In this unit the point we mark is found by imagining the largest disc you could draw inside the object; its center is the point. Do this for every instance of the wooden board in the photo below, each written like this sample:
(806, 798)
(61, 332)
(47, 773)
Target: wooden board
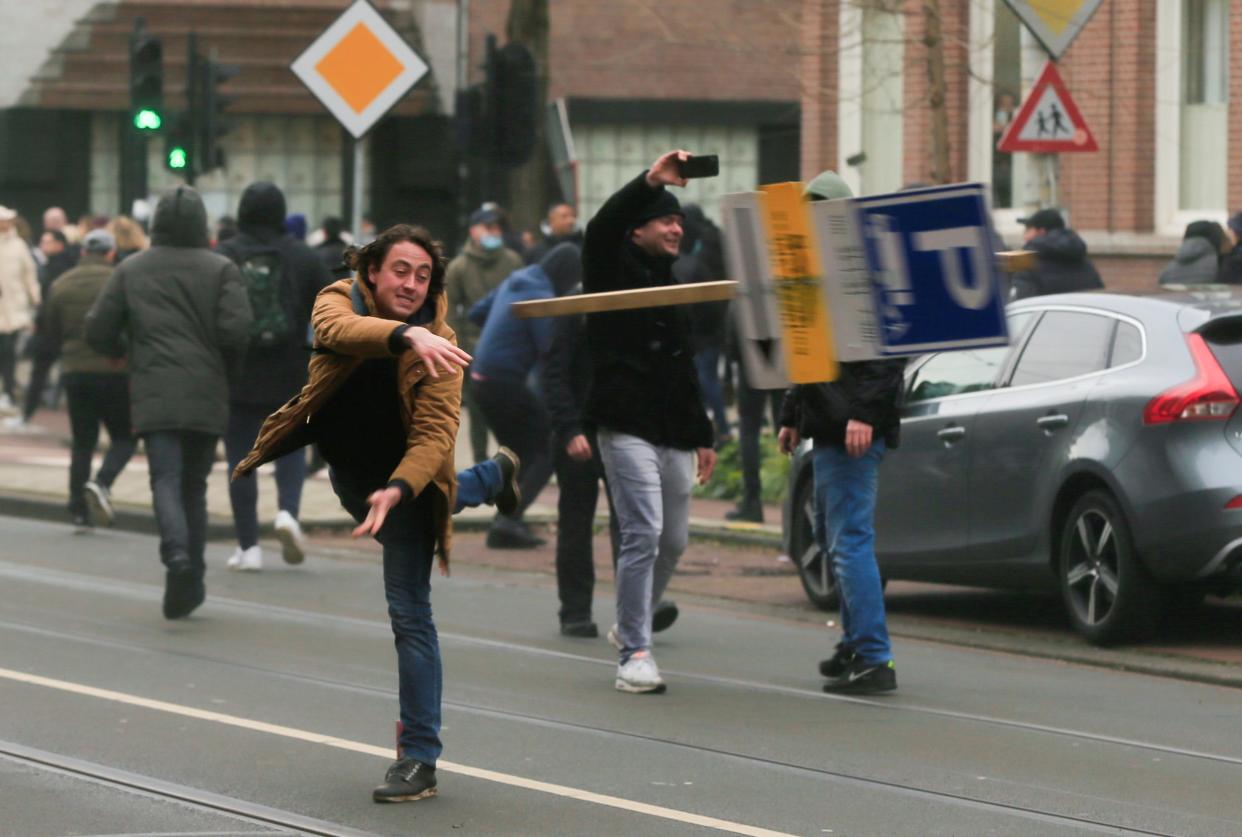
(1011, 261)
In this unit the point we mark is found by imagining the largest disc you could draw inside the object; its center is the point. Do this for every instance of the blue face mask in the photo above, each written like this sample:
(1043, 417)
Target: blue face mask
(491, 242)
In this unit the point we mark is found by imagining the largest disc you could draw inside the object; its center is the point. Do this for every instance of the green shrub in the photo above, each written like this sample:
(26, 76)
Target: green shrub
(726, 481)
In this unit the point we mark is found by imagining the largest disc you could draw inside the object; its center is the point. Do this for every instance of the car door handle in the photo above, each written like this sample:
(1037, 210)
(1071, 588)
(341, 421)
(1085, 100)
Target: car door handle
(1053, 422)
(952, 434)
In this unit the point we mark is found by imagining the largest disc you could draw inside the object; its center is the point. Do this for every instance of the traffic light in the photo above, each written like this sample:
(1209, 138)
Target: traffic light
(179, 148)
(146, 80)
(213, 102)
(513, 83)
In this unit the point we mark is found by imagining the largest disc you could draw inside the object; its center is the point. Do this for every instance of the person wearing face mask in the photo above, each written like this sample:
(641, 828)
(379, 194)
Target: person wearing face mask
(477, 271)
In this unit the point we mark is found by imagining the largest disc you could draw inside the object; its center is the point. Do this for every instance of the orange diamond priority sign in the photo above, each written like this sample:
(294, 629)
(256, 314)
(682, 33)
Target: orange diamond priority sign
(359, 67)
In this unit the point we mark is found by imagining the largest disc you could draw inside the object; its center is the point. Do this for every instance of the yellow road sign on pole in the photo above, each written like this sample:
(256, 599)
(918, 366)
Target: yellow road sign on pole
(810, 352)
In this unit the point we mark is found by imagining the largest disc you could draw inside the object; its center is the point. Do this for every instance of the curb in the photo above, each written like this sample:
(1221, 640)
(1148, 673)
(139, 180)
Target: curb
(129, 518)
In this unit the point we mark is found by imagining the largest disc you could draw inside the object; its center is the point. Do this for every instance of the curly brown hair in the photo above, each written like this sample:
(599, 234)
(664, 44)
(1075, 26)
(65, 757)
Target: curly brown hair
(363, 260)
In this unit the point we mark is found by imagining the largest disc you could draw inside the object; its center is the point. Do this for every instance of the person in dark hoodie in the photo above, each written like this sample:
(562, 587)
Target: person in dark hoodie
(282, 277)
(1231, 262)
(1062, 265)
(853, 421)
(702, 260)
(508, 351)
(1199, 256)
(644, 405)
(181, 314)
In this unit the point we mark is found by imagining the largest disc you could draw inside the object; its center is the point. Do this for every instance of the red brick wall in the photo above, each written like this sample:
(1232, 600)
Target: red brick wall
(1111, 74)
(819, 86)
(731, 50)
(917, 139)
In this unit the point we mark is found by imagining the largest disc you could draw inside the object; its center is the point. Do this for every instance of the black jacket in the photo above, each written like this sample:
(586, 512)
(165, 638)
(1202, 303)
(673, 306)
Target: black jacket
(567, 378)
(271, 376)
(644, 381)
(538, 251)
(1062, 266)
(1231, 267)
(868, 391)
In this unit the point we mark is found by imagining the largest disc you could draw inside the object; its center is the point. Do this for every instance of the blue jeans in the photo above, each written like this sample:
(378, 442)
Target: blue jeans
(245, 421)
(408, 538)
(844, 524)
(478, 484)
(180, 462)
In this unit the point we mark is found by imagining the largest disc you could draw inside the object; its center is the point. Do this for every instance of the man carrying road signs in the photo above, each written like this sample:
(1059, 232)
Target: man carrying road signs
(853, 421)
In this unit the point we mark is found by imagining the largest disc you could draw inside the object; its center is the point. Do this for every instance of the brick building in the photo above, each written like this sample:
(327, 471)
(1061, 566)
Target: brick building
(1155, 80)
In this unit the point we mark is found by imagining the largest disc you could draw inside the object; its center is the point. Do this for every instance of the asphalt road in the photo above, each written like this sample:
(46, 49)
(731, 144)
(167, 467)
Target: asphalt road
(272, 709)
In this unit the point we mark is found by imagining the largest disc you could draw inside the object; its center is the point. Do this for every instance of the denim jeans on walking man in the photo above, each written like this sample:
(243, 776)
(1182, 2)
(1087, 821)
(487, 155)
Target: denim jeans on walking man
(844, 523)
(97, 398)
(650, 487)
(180, 462)
(408, 539)
(244, 423)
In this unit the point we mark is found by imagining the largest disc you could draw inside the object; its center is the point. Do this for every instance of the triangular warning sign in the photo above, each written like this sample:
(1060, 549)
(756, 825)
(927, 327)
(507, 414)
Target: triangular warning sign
(1049, 122)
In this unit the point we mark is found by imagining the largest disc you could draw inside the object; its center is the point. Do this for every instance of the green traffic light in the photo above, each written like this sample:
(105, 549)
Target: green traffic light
(147, 120)
(177, 158)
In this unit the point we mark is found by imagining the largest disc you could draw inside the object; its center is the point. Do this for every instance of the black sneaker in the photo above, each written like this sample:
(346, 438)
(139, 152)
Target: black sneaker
(407, 780)
(664, 616)
(510, 496)
(511, 534)
(746, 512)
(863, 679)
(183, 589)
(585, 629)
(836, 665)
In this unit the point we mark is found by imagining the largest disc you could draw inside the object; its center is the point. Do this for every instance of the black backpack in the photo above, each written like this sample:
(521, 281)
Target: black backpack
(263, 274)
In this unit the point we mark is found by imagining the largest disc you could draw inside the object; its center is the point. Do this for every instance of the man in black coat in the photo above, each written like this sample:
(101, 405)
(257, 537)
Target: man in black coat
(282, 276)
(1062, 265)
(644, 404)
(853, 421)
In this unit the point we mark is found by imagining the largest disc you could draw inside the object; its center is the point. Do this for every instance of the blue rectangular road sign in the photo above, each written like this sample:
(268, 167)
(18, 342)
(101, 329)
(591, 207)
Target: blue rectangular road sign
(936, 284)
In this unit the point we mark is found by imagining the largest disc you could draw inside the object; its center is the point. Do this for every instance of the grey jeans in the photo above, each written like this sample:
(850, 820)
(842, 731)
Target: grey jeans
(650, 488)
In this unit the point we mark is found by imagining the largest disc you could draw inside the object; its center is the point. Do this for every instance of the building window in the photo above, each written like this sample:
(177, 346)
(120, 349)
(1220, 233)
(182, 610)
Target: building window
(871, 95)
(1204, 104)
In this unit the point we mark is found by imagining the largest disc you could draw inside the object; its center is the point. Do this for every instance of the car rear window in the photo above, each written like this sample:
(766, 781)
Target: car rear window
(1224, 338)
(1127, 345)
(1065, 344)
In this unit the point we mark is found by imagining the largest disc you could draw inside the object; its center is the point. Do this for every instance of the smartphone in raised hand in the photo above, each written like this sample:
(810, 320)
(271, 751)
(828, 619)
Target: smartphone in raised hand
(706, 165)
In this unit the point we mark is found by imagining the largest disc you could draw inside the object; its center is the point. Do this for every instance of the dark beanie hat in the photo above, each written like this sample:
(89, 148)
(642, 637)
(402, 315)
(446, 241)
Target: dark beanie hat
(663, 203)
(1209, 230)
(563, 264)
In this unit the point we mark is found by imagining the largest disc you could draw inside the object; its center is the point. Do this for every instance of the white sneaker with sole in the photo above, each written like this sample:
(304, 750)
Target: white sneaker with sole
(292, 541)
(247, 560)
(614, 639)
(640, 675)
(99, 501)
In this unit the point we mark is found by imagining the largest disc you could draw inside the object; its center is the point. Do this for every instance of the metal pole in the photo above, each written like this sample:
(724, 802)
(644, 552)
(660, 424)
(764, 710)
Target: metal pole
(356, 219)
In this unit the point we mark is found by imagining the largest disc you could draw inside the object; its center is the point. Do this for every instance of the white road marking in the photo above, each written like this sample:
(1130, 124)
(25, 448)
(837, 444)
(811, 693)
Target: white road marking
(387, 753)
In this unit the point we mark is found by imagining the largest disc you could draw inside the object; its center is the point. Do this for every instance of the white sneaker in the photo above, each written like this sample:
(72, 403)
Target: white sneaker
(292, 541)
(99, 501)
(6, 403)
(640, 675)
(614, 639)
(17, 424)
(247, 560)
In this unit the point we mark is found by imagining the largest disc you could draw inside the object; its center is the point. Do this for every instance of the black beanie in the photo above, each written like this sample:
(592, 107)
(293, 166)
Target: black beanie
(664, 203)
(563, 264)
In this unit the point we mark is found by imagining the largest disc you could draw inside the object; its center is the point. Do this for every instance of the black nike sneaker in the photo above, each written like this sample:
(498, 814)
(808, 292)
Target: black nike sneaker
(864, 679)
(407, 780)
(838, 664)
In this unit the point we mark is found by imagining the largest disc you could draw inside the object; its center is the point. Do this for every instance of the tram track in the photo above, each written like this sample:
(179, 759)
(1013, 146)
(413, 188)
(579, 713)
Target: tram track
(135, 783)
(963, 800)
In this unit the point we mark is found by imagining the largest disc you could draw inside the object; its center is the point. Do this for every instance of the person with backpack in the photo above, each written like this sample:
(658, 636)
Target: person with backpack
(282, 277)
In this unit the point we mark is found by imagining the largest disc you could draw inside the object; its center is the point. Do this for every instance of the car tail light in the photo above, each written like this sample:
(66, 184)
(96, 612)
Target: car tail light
(1207, 396)
(1235, 503)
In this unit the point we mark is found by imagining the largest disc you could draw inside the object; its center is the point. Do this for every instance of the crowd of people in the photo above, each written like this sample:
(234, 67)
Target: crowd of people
(361, 350)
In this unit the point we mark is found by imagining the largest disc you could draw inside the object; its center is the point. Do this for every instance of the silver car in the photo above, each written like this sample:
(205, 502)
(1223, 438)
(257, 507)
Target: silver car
(1100, 452)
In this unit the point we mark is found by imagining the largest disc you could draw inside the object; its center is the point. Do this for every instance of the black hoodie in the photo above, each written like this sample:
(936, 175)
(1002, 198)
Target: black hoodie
(1062, 267)
(271, 376)
(181, 314)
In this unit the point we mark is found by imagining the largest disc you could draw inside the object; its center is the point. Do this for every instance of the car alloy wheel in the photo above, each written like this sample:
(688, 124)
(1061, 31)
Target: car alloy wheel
(1108, 592)
(814, 568)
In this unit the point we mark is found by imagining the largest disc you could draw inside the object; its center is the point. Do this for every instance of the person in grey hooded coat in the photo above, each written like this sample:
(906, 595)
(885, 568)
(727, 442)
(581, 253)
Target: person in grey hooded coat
(1198, 258)
(181, 315)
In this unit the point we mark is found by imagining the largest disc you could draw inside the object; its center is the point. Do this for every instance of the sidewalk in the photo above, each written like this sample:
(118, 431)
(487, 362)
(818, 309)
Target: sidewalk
(34, 477)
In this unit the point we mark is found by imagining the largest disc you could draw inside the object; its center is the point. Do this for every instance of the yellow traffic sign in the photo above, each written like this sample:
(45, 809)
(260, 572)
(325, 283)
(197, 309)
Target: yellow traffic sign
(1055, 23)
(359, 67)
(810, 352)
